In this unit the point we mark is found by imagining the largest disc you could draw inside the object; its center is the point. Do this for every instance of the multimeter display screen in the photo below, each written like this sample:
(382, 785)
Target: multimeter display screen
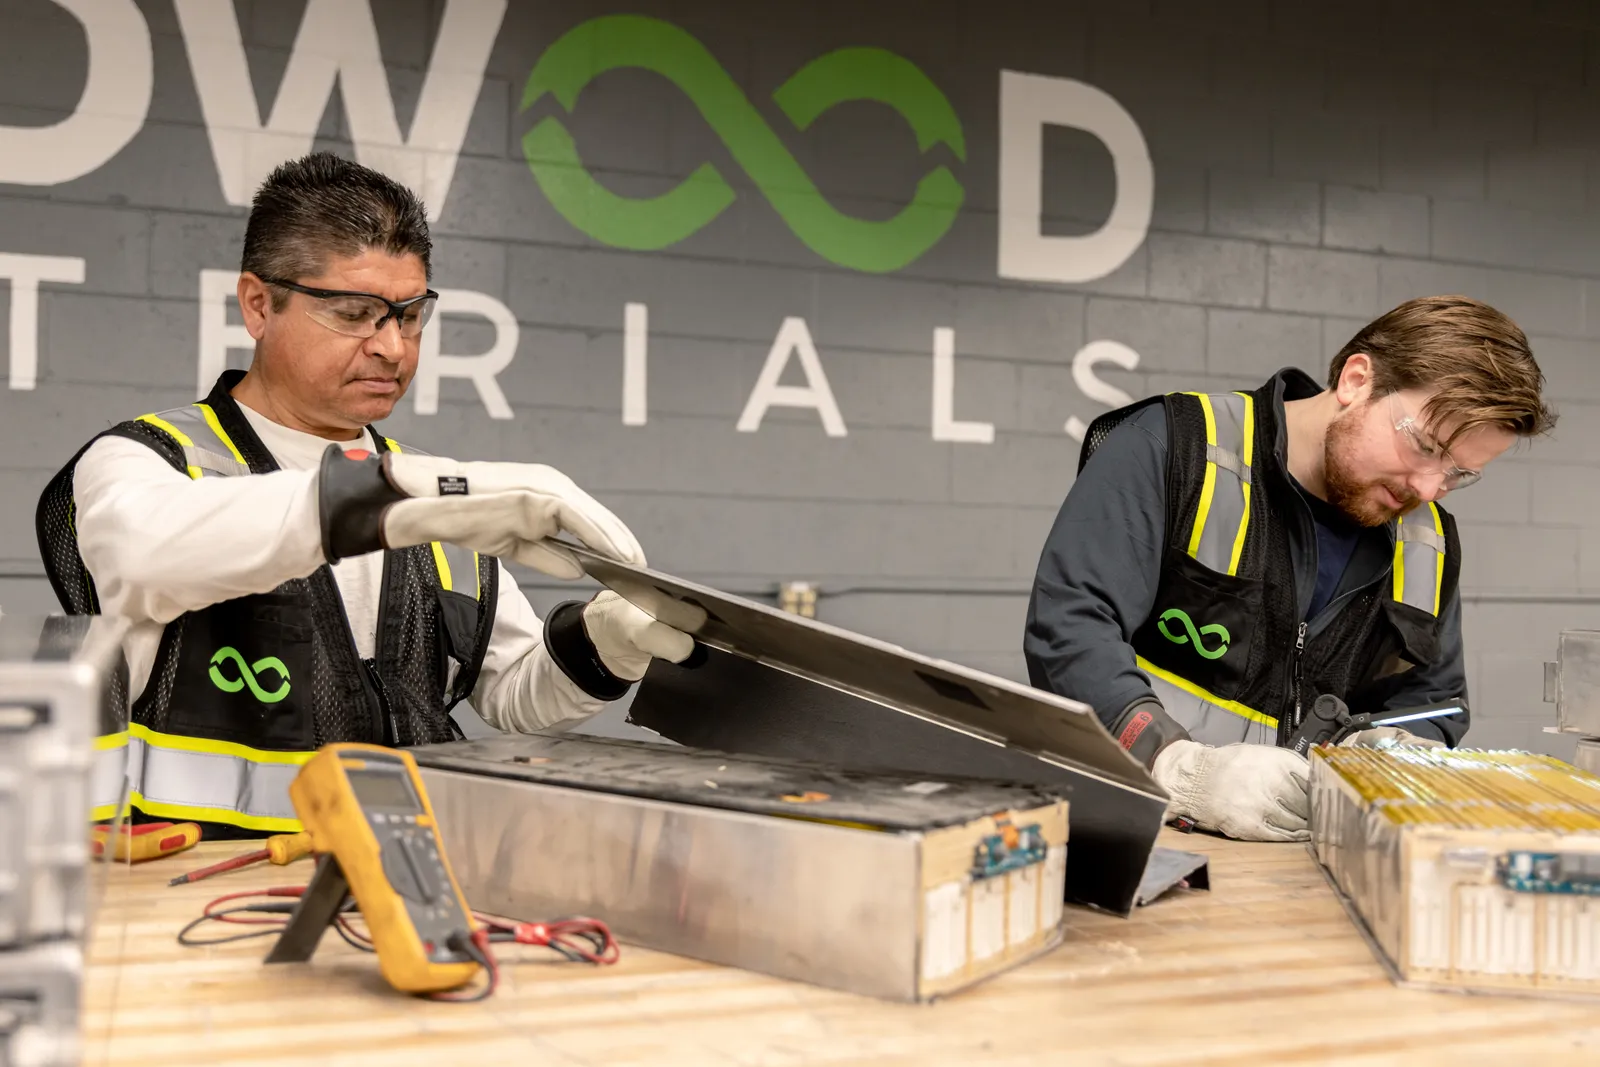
(384, 789)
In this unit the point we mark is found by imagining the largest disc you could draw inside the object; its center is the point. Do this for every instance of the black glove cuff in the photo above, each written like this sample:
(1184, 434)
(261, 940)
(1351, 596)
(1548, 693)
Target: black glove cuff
(351, 496)
(569, 646)
(1144, 729)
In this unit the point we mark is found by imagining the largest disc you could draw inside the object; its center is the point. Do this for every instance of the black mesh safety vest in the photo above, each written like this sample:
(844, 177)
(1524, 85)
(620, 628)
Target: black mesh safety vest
(243, 692)
(1224, 644)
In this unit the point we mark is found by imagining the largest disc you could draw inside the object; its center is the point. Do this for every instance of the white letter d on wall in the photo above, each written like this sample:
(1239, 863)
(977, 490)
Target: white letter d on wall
(1029, 103)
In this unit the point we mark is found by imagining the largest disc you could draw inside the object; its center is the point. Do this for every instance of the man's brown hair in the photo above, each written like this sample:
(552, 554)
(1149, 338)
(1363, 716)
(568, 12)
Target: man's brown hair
(1475, 358)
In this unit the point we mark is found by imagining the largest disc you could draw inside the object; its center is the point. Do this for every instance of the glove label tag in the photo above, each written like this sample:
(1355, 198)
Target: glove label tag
(452, 485)
(1135, 727)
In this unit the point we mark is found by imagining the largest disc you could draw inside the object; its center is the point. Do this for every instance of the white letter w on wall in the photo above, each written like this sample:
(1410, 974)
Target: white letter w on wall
(338, 40)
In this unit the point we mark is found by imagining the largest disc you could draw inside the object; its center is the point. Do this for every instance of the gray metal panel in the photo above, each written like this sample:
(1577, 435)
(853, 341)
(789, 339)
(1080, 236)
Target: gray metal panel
(800, 900)
(1577, 690)
(41, 993)
(1008, 713)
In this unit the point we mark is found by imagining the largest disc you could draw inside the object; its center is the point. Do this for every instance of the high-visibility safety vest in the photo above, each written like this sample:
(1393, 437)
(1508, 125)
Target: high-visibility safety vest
(245, 691)
(1224, 646)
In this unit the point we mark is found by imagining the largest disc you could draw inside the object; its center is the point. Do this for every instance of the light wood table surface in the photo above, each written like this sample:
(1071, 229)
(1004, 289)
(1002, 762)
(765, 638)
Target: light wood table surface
(1265, 968)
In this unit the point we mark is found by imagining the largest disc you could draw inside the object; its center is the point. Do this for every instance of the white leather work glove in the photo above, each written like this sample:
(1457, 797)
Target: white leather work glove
(507, 510)
(626, 637)
(605, 645)
(1389, 737)
(1248, 792)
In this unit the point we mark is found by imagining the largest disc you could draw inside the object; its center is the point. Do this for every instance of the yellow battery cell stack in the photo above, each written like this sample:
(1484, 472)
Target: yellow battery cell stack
(1468, 870)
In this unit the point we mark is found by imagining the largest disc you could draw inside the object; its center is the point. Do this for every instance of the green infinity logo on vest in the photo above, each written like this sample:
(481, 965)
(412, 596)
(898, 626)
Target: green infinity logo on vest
(1190, 636)
(247, 675)
(646, 224)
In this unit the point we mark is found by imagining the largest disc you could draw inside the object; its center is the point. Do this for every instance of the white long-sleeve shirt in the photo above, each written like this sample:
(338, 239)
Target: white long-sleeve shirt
(158, 544)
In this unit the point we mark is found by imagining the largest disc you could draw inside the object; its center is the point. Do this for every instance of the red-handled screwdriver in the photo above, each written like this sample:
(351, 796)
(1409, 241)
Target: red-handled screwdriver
(281, 849)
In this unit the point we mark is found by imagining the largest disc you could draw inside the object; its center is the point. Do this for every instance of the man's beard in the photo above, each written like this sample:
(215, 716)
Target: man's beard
(1347, 490)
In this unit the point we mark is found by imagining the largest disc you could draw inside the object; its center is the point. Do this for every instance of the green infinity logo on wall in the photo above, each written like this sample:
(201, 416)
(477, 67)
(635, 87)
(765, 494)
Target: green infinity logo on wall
(617, 41)
(247, 675)
(1189, 635)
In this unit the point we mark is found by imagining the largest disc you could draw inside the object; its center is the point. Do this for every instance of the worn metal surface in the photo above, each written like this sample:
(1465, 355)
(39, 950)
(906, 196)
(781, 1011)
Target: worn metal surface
(833, 905)
(800, 900)
(759, 785)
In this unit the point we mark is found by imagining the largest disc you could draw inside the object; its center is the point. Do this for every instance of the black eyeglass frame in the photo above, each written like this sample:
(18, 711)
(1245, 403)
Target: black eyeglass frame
(396, 310)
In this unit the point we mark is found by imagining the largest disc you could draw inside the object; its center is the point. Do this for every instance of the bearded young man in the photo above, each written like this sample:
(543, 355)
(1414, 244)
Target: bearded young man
(1223, 560)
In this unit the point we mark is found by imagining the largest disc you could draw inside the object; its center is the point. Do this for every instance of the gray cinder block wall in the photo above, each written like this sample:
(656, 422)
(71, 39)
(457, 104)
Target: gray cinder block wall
(1312, 165)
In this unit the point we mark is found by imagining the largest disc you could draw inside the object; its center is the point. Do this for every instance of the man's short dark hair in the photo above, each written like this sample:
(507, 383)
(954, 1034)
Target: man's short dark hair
(322, 206)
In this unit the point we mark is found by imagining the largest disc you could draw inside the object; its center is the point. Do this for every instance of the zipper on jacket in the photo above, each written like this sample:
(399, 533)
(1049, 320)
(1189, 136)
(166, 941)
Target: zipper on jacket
(386, 707)
(379, 644)
(1299, 651)
(376, 703)
(1329, 612)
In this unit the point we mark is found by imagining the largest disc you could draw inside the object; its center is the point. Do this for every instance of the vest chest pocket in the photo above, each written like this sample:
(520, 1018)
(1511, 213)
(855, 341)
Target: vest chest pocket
(458, 619)
(1403, 639)
(1202, 625)
(241, 670)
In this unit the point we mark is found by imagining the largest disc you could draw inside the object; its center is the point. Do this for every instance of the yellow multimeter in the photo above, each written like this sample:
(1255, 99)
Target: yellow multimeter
(374, 832)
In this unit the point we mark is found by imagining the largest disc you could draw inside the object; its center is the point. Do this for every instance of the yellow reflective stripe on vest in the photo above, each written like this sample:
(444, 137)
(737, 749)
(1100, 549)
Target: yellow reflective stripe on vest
(1244, 481)
(1216, 538)
(177, 435)
(179, 777)
(222, 435)
(1196, 691)
(206, 446)
(1210, 483)
(442, 564)
(1419, 560)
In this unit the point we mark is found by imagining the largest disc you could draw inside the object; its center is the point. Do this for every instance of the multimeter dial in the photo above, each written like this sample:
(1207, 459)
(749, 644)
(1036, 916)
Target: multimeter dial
(410, 855)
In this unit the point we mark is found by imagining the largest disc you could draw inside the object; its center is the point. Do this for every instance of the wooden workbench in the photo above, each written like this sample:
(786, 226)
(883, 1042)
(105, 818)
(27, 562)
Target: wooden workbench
(1263, 969)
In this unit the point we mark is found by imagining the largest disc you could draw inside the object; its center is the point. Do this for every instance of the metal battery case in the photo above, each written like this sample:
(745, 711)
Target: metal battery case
(889, 885)
(41, 992)
(59, 692)
(62, 711)
(1587, 757)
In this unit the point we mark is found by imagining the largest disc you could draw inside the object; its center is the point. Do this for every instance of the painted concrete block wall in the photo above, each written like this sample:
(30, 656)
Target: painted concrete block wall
(1313, 165)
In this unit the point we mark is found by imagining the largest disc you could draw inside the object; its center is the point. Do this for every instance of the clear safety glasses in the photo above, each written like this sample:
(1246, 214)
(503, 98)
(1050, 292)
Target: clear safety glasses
(1421, 453)
(363, 314)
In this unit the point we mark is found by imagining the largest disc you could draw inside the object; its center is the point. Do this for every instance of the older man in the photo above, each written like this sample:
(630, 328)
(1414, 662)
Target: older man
(292, 576)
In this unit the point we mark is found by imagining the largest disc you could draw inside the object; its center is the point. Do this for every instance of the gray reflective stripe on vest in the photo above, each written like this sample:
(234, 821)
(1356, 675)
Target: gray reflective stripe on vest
(1419, 559)
(1216, 538)
(210, 785)
(108, 776)
(206, 449)
(1208, 723)
(458, 568)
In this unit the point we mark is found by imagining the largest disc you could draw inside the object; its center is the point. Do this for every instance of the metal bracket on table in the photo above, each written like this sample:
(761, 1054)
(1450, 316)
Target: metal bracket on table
(1171, 868)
